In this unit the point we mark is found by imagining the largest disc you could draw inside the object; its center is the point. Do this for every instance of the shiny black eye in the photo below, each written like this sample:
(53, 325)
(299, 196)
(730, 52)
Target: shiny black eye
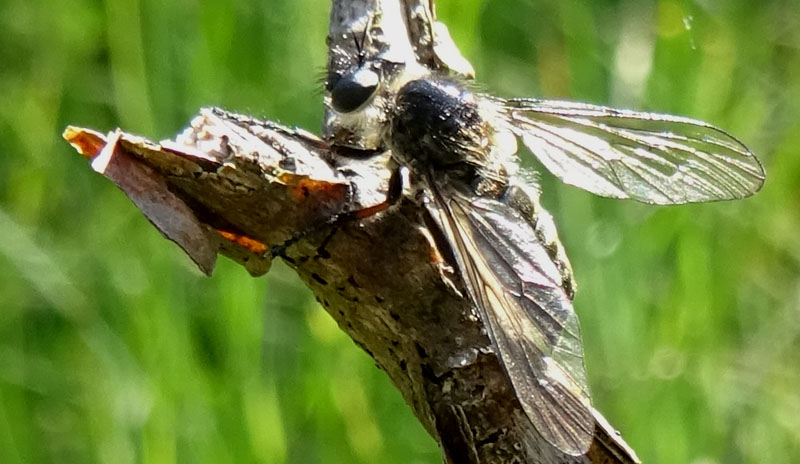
(352, 90)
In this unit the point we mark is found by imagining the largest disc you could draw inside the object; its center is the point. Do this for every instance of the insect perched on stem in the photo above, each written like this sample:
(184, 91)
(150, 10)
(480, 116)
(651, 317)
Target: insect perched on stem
(458, 147)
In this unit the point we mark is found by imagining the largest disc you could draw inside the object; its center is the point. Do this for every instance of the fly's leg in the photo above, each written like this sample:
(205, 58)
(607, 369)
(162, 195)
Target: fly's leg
(396, 184)
(441, 255)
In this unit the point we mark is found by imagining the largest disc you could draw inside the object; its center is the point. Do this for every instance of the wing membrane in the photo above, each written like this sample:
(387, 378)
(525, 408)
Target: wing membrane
(647, 157)
(528, 316)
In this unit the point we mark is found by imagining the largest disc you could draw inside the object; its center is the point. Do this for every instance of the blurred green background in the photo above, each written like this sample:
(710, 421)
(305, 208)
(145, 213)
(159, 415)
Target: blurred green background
(114, 349)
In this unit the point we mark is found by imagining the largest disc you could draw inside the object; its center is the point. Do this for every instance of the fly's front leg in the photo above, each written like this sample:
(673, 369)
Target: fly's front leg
(397, 182)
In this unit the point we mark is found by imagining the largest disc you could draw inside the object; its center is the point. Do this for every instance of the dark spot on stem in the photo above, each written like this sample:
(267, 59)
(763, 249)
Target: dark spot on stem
(319, 279)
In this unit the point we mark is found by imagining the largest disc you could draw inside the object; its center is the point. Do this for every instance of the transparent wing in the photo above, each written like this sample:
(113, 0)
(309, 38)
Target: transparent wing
(528, 316)
(648, 157)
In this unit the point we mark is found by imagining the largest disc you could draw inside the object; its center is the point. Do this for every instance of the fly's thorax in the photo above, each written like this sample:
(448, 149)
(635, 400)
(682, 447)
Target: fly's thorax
(439, 122)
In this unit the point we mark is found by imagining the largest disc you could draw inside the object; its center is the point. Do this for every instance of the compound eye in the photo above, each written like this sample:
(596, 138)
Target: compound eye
(351, 91)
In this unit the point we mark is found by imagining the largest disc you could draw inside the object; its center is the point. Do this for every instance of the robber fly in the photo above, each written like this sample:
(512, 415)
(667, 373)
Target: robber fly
(459, 146)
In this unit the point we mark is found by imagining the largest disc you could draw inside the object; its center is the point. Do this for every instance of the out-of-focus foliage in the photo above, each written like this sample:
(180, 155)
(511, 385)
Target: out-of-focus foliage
(114, 349)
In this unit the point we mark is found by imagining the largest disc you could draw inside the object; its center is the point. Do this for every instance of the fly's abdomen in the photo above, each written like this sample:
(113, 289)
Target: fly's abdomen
(525, 200)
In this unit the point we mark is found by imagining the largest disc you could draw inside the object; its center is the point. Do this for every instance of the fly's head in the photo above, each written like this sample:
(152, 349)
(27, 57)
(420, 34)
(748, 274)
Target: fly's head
(364, 74)
(425, 120)
(428, 119)
(358, 103)
(351, 91)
